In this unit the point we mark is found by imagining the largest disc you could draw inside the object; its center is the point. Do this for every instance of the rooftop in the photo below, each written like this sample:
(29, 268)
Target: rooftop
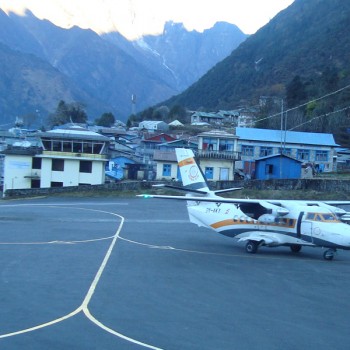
(306, 138)
(77, 134)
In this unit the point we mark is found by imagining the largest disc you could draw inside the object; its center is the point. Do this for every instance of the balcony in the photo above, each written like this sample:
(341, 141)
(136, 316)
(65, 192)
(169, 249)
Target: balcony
(71, 155)
(225, 155)
(34, 175)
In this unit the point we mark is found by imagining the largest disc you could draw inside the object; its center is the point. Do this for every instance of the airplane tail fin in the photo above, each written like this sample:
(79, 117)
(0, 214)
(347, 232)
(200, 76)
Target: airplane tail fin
(191, 174)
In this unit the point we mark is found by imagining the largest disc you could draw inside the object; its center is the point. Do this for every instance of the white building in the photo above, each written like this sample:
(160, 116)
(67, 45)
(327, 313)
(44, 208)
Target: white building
(67, 158)
(154, 125)
(217, 154)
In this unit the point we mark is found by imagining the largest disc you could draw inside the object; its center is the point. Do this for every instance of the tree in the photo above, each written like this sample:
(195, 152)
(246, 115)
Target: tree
(295, 92)
(106, 119)
(178, 112)
(68, 112)
(161, 113)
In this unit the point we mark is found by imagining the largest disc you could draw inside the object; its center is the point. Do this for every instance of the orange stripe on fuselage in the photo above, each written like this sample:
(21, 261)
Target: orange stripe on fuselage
(229, 222)
(223, 223)
(186, 161)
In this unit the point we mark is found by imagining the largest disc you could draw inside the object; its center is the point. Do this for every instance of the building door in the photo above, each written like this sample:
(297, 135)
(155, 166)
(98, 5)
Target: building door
(224, 174)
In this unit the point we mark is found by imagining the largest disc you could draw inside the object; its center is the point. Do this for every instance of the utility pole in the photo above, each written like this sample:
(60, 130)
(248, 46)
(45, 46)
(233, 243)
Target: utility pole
(281, 151)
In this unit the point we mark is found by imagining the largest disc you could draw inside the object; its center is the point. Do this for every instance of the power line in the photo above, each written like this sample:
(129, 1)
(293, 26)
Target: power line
(306, 103)
(320, 116)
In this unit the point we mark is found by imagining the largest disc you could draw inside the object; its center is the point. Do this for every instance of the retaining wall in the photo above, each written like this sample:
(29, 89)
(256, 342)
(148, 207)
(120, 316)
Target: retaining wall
(319, 185)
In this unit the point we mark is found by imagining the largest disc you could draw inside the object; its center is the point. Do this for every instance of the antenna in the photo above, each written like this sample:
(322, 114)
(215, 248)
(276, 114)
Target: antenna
(133, 104)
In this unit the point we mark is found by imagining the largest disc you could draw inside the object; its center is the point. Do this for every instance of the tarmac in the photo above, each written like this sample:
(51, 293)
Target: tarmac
(134, 273)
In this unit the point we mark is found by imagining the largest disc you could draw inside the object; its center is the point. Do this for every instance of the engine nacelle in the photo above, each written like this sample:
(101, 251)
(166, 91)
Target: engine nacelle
(275, 210)
(267, 218)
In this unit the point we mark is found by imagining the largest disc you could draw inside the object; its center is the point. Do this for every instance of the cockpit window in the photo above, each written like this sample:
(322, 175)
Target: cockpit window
(310, 216)
(324, 217)
(318, 217)
(329, 217)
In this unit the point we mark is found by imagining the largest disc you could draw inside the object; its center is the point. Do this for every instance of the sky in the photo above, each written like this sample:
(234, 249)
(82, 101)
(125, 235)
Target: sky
(134, 18)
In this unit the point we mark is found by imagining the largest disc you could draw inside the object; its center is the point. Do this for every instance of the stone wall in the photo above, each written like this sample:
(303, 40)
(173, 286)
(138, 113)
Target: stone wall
(83, 189)
(320, 185)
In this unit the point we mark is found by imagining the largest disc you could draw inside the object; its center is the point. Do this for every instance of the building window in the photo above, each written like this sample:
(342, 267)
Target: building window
(57, 146)
(56, 184)
(321, 156)
(226, 145)
(47, 145)
(269, 169)
(35, 184)
(85, 166)
(57, 164)
(166, 169)
(209, 144)
(67, 146)
(265, 151)
(303, 154)
(77, 147)
(286, 151)
(209, 173)
(247, 150)
(36, 163)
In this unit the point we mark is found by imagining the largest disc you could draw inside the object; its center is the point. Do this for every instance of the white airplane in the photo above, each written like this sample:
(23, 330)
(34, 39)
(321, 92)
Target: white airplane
(259, 222)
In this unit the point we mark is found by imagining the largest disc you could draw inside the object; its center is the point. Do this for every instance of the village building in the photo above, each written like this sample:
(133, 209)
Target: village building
(200, 118)
(278, 166)
(154, 126)
(315, 149)
(149, 144)
(216, 154)
(63, 158)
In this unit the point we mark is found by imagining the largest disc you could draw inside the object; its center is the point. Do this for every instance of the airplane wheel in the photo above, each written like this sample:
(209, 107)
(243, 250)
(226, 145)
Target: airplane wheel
(295, 248)
(251, 247)
(329, 254)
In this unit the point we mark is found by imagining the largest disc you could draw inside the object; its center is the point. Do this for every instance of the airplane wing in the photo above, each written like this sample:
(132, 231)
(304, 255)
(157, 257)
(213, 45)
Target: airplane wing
(202, 199)
(273, 204)
(337, 202)
(267, 204)
(176, 188)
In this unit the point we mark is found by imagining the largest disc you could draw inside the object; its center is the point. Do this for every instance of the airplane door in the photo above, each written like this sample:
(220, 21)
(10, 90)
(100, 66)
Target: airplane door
(304, 228)
(306, 231)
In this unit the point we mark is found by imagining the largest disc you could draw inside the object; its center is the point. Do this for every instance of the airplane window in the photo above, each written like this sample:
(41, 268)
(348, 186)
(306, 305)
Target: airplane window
(310, 216)
(325, 217)
(318, 218)
(329, 217)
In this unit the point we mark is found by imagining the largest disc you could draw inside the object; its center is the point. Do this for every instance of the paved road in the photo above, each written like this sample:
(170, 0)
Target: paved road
(134, 274)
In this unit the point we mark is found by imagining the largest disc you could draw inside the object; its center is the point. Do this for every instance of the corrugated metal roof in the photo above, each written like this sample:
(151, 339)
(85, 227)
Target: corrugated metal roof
(73, 134)
(306, 138)
(278, 155)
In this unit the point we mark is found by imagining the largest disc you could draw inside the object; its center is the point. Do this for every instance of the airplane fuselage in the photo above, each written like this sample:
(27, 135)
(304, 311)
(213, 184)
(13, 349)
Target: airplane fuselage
(303, 225)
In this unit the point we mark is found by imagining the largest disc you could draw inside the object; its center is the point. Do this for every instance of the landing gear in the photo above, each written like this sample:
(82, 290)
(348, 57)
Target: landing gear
(329, 254)
(252, 247)
(295, 248)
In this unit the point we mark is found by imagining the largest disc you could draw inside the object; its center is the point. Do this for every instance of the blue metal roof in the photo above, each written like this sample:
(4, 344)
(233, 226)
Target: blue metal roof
(279, 155)
(268, 135)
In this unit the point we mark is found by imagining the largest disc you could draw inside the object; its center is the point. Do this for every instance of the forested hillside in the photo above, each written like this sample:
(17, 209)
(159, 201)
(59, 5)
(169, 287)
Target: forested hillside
(299, 56)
